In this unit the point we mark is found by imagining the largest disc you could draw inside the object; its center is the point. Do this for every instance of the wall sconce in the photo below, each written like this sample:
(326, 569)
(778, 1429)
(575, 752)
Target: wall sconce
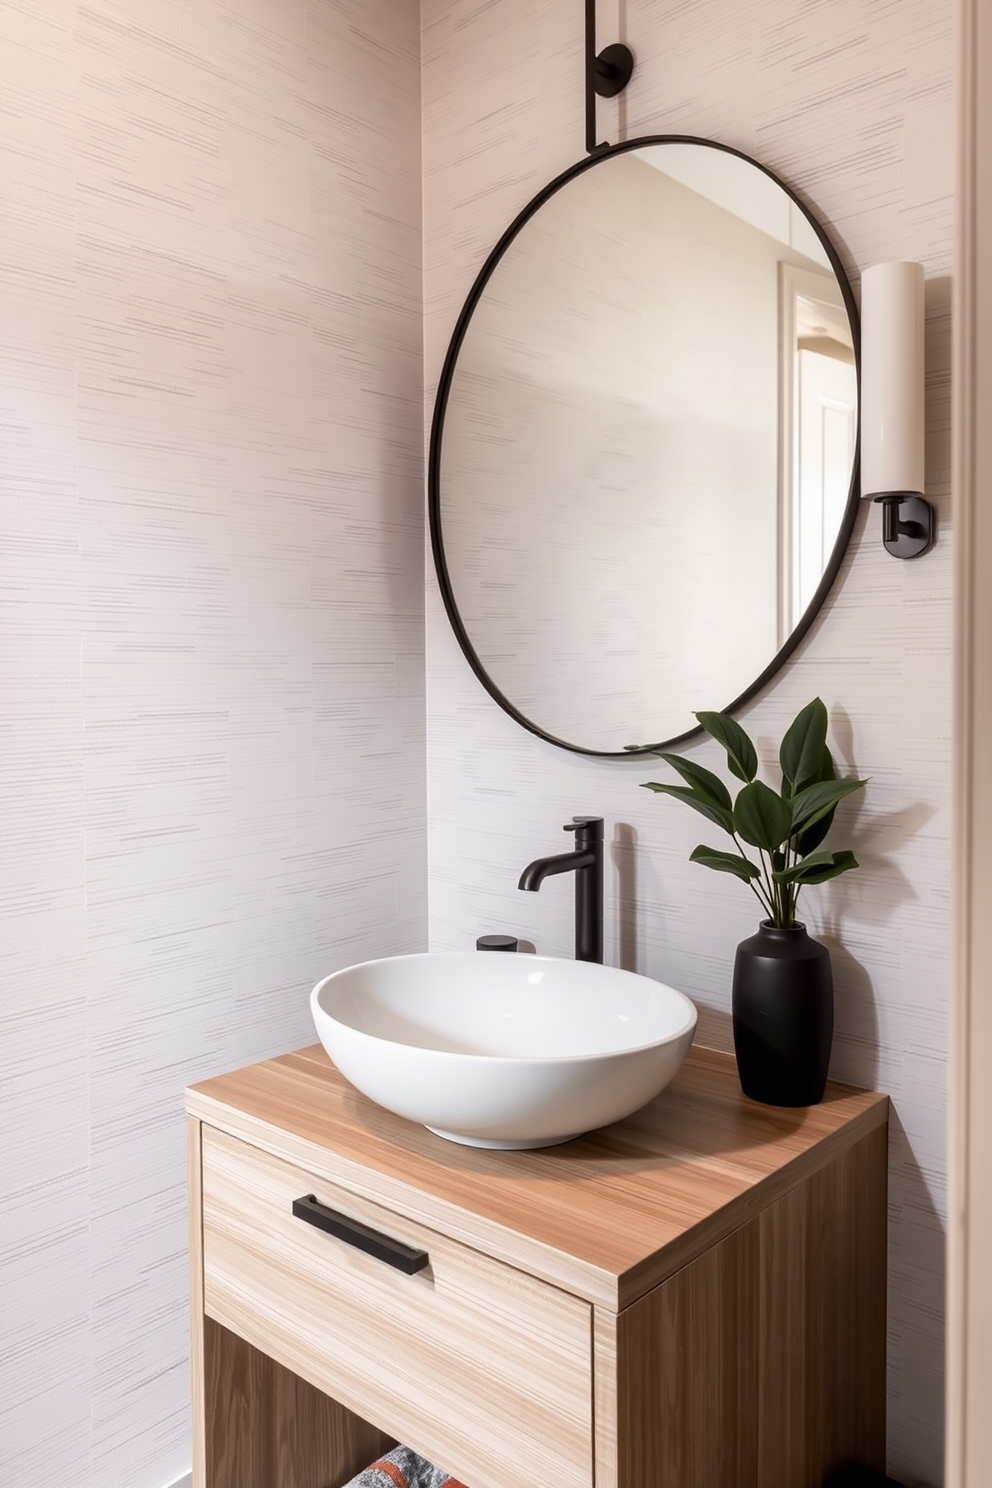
(892, 407)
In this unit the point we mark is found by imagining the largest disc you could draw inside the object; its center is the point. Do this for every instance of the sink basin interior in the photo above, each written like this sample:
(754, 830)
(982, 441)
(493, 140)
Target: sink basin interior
(536, 1007)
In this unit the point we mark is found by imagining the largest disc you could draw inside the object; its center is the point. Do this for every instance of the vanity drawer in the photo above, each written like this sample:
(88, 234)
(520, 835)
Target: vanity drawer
(478, 1366)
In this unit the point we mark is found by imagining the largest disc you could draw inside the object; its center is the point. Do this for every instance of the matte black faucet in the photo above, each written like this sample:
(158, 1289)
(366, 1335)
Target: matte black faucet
(586, 862)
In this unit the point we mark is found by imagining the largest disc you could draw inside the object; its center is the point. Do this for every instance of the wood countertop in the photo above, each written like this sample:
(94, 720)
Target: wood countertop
(607, 1216)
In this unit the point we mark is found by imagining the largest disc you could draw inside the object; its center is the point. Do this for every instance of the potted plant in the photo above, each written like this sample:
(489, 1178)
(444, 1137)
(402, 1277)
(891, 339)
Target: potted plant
(783, 987)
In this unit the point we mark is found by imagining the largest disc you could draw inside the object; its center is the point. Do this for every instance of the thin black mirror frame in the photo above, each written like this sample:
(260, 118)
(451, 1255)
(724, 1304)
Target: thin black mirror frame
(437, 429)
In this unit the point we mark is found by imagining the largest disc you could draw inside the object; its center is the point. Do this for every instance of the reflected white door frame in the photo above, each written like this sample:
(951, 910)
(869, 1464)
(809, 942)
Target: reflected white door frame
(818, 421)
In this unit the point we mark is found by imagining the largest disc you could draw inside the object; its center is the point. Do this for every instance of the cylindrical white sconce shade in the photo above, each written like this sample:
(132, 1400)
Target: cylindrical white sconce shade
(892, 407)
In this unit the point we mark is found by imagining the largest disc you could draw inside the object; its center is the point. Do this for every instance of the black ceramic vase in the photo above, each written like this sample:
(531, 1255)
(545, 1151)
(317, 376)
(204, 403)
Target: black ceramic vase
(783, 1010)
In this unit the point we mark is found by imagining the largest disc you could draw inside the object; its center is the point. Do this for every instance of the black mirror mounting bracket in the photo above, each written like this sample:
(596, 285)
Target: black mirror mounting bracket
(607, 73)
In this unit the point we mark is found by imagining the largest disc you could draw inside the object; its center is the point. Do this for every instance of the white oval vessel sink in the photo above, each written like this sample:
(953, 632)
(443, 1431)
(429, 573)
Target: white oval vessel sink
(502, 1050)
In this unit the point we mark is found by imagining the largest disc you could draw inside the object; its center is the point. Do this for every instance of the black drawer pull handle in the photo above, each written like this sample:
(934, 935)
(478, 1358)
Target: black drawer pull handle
(373, 1242)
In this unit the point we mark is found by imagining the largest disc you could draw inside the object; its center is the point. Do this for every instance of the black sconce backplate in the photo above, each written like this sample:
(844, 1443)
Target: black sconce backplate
(908, 524)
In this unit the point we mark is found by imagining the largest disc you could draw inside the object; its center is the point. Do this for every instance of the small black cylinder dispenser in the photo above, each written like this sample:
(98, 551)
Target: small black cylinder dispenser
(496, 943)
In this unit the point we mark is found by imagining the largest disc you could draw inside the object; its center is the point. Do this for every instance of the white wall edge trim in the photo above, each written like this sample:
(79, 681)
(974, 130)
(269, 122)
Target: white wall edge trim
(186, 1481)
(969, 1295)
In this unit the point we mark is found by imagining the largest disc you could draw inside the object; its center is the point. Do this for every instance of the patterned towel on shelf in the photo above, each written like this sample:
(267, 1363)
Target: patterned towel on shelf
(402, 1468)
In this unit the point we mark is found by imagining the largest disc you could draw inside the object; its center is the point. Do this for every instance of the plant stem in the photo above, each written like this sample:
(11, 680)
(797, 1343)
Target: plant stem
(791, 890)
(762, 899)
(764, 895)
(772, 886)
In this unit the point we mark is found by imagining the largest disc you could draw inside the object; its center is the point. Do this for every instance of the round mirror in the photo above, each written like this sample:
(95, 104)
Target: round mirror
(644, 451)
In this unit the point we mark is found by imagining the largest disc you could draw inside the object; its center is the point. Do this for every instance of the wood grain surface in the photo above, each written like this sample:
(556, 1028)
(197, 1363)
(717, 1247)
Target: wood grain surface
(197, 1347)
(761, 1364)
(755, 1360)
(267, 1428)
(686, 1380)
(822, 1322)
(606, 1217)
(477, 1366)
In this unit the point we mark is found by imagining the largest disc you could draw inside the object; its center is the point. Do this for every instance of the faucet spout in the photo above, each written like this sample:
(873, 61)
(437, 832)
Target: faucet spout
(586, 862)
(535, 873)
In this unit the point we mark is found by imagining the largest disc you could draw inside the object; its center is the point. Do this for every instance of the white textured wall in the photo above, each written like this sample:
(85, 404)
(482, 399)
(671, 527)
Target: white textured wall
(211, 671)
(851, 104)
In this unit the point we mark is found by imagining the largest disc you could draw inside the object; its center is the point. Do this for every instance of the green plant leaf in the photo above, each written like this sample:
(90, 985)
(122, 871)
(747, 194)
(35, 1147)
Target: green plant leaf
(817, 868)
(742, 758)
(724, 862)
(761, 817)
(801, 754)
(808, 864)
(703, 781)
(809, 840)
(817, 800)
(721, 815)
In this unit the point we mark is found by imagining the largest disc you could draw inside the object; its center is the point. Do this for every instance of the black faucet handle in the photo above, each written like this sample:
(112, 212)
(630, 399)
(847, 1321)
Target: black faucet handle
(588, 827)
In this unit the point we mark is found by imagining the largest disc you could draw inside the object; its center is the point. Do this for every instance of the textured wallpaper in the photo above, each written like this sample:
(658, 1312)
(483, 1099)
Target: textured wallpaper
(851, 104)
(211, 611)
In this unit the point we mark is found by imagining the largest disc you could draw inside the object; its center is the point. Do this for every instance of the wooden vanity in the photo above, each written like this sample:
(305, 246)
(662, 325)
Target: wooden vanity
(691, 1298)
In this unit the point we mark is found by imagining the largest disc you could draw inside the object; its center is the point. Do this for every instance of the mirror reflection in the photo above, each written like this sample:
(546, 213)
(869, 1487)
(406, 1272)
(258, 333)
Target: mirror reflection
(645, 461)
